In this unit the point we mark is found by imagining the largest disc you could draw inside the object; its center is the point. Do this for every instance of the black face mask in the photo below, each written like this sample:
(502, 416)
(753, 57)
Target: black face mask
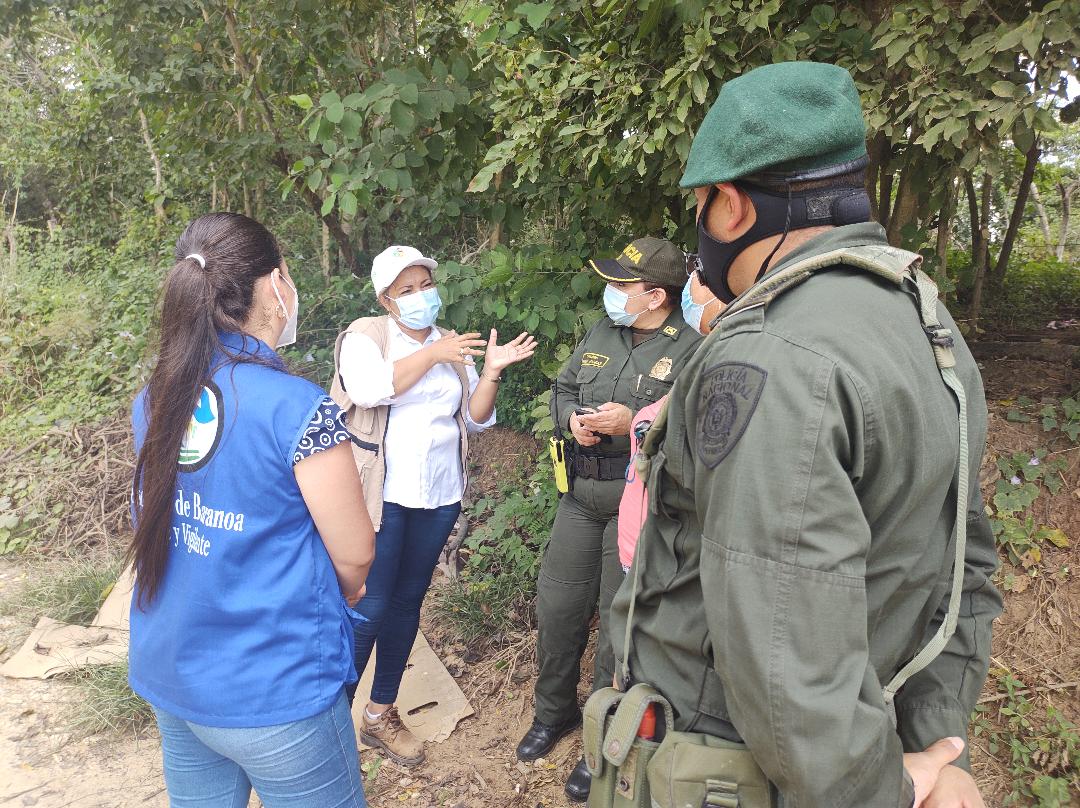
(777, 212)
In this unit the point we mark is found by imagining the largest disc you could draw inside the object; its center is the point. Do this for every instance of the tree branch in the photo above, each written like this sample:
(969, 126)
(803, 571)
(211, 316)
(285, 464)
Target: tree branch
(159, 204)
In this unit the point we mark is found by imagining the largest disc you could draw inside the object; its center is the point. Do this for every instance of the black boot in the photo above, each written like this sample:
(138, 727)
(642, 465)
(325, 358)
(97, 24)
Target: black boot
(541, 738)
(579, 782)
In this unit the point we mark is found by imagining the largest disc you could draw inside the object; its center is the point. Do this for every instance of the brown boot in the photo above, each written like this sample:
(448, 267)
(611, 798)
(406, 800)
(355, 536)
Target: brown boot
(392, 737)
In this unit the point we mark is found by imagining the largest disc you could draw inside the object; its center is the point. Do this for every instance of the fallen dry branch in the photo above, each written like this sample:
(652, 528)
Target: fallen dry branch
(78, 483)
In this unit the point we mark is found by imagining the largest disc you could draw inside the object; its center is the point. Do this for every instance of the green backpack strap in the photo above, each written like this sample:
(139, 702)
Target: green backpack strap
(902, 268)
(623, 729)
(887, 262)
(942, 342)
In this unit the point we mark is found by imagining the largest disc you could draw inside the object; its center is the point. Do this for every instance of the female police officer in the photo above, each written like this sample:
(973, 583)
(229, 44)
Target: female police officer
(627, 360)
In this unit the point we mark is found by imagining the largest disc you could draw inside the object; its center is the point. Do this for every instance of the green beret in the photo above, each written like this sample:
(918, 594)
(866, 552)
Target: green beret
(789, 117)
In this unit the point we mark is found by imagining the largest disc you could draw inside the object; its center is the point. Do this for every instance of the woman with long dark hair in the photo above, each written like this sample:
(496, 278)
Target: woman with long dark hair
(251, 539)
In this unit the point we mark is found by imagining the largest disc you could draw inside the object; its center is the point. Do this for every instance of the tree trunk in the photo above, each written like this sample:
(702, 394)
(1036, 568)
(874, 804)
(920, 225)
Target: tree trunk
(9, 231)
(944, 229)
(973, 216)
(1031, 160)
(885, 196)
(1044, 220)
(878, 152)
(159, 183)
(257, 199)
(324, 256)
(496, 231)
(904, 209)
(983, 263)
(1066, 192)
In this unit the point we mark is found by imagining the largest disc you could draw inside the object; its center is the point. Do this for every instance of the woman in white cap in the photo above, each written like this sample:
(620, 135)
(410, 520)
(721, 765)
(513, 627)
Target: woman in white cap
(412, 396)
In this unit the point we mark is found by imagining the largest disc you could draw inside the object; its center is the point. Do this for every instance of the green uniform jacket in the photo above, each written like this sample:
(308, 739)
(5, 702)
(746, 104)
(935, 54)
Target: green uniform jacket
(606, 367)
(798, 547)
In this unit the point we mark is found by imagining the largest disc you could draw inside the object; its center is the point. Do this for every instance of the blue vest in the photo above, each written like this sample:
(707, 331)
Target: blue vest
(249, 627)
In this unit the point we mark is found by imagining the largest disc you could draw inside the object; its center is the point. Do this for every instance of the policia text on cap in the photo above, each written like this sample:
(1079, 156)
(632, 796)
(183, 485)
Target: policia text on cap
(810, 602)
(628, 360)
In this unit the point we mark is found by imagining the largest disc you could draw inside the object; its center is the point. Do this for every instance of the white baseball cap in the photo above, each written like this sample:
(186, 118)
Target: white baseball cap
(390, 262)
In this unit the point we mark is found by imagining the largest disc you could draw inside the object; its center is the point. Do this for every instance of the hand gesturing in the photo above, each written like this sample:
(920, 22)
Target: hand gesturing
(455, 347)
(497, 357)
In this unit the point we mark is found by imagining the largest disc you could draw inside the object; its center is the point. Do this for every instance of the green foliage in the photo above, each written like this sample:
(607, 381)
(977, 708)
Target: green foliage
(606, 97)
(108, 703)
(495, 589)
(1066, 420)
(371, 767)
(1034, 293)
(515, 529)
(1023, 477)
(13, 534)
(485, 609)
(1041, 747)
(75, 320)
(70, 590)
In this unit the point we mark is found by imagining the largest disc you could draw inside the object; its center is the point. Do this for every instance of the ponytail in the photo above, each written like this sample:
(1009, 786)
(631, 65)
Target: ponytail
(199, 299)
(188, 340)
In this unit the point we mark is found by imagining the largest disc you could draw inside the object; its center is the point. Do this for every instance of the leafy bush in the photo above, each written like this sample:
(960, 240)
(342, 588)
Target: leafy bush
(1034, 293)
(75, 320)
(502, 558)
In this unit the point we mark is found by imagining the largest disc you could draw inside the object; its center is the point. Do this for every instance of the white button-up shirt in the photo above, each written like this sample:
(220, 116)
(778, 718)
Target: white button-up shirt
(422, 447)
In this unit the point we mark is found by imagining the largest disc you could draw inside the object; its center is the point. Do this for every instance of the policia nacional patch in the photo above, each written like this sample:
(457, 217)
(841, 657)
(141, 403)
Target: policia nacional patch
(727, 398)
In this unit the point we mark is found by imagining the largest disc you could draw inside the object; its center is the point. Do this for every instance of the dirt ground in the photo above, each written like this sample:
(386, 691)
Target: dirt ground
(44, 762)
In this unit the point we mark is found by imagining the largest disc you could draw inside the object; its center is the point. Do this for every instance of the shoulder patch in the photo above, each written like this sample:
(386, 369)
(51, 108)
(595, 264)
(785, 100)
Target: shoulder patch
(727, 398)
(594, 360)
(203, 434)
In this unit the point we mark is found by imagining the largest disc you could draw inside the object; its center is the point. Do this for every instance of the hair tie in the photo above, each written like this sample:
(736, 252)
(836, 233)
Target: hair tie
(197, 257)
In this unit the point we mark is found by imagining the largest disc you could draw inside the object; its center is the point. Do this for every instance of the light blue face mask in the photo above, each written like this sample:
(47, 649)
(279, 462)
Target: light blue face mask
(615, 301)
(693, 312)
(418, 310)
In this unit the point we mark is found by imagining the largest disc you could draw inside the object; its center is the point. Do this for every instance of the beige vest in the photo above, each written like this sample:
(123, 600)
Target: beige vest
(367, 425)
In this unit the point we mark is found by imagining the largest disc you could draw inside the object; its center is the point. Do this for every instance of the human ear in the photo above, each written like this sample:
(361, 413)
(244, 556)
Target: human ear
(385, 302)
(731, 213)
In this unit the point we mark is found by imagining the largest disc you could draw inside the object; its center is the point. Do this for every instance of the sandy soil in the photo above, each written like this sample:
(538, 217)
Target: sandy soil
(44, 761)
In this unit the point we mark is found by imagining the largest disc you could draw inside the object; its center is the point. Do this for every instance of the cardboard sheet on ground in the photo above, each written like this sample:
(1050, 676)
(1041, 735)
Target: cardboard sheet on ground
(54, 648)
(430, 702)
(115, 612)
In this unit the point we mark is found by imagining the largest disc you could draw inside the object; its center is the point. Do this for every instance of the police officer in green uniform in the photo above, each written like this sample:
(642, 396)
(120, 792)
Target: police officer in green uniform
(628, 360)
(805, 492)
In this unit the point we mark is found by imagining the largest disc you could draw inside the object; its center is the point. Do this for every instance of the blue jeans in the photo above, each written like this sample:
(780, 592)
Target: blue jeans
(407, 548)
(297, 765)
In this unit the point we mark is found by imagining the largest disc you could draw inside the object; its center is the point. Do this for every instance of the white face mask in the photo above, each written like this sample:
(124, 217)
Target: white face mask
(288, 336)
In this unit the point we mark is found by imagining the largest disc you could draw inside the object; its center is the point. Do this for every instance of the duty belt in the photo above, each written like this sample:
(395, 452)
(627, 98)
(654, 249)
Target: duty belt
(596, 467)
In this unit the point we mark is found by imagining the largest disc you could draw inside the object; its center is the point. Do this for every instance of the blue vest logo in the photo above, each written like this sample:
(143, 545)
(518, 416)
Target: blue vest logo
(204, 432)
